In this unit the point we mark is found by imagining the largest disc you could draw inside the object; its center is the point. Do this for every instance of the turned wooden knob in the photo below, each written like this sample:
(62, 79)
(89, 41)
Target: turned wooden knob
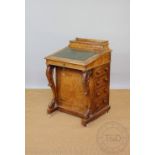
(105, 101)
(98, 82)
(98, 93)
(105, 90)
(105, 78)
(98, 72)
(106, 69)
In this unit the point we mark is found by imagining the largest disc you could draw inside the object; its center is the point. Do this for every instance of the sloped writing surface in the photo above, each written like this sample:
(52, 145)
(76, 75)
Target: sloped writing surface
(74, 54)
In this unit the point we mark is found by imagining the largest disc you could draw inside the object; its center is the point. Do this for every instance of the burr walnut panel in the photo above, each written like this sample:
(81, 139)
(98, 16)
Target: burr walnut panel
(70, 90)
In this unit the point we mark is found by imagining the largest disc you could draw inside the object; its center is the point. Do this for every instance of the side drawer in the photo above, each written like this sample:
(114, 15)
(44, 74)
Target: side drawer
(101, 92)
(100, 103)
(101, 70)
(101, 81)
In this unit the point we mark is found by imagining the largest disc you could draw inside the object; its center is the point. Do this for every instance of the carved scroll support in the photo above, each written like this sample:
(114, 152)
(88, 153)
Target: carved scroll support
(86, 80)
(86, 76)
(49, 73)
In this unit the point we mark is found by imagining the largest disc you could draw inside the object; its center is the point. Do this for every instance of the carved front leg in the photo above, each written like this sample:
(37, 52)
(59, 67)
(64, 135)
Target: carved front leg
(49, 74)
(86, 76)
(86, 80)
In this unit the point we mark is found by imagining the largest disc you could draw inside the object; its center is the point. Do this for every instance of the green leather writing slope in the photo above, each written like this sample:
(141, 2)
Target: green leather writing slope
(75, 54)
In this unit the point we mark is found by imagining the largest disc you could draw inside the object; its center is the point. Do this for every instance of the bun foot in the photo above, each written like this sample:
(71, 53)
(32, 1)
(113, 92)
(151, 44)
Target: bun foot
(51, 108)
(108, 109)
(84, 122)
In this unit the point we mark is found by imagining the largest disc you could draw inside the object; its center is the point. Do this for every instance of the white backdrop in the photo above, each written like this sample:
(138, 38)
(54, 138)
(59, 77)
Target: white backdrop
(50, 24)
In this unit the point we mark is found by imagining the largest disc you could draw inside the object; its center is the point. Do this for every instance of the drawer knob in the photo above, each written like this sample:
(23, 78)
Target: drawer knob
(105, 78)
(105, 90)
(98, 72)
(105, 101)
(106, 69)
(98, 94)
(98, 82)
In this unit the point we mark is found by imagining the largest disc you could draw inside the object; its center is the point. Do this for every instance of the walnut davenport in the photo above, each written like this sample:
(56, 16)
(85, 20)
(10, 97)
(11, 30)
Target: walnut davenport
(79, 77)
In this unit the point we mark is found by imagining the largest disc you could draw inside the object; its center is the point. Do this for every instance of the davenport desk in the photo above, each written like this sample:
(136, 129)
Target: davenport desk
(82, 77)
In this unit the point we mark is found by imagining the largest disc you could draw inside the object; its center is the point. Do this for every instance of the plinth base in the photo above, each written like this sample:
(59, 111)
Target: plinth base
(85, 120)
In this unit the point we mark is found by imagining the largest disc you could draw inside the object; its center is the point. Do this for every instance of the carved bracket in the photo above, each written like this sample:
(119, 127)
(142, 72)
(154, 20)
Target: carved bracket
(89, 111)
(49, 74)
(86, 76)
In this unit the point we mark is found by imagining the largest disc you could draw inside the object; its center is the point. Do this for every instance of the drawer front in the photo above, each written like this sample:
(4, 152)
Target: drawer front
(102, 70)
(98, 72)
(101, 82)
(101, 92)
(100, 103)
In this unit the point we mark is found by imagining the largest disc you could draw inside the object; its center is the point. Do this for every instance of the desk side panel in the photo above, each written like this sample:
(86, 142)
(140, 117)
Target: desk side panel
(70, 90)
